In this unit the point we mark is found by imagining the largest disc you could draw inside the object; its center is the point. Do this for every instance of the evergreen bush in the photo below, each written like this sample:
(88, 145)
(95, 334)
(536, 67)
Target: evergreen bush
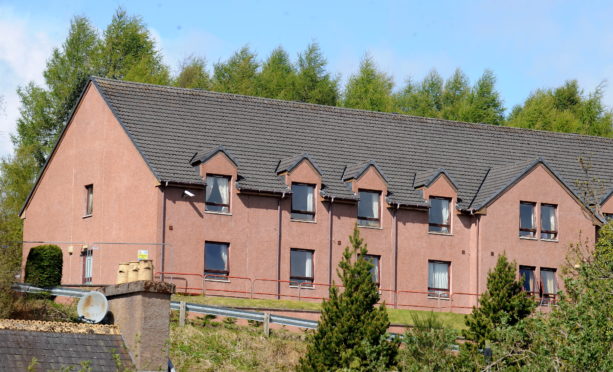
(503, 304)
(44, 266)
(352, 331)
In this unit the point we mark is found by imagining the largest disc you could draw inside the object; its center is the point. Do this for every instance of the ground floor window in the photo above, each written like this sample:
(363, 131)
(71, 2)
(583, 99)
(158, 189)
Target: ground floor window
(374, 270)
(301, 267)
(438, 279)
(88, 265)
(216, 260)
(549, 286)
(526, 274)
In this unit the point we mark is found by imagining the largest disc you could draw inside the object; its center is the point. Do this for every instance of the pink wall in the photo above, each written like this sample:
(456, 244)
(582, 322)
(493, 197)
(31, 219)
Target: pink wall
(499, 227)
(94, 150)
(129, 205)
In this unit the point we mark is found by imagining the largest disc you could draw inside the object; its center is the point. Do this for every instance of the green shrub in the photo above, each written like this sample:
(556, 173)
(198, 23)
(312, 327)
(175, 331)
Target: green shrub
(352, 331)
(44, 266)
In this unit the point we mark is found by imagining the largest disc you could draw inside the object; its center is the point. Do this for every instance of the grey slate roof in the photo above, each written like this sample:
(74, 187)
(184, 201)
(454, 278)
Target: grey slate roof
(287, 164)
(425, 178)
(55, 351)
(356, 170)
(169, 125)
(204, 155)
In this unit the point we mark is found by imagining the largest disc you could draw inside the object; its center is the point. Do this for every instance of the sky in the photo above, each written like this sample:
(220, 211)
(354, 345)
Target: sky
(527, 44)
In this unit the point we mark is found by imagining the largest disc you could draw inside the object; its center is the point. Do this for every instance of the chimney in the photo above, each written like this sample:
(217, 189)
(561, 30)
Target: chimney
(141, 309)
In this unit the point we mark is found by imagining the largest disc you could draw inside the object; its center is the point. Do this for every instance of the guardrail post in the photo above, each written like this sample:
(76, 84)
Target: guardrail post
(267, 324)
(182, 313)
(204, 285)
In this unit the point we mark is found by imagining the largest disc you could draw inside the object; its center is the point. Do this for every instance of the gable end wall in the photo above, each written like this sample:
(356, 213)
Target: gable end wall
(94, 149)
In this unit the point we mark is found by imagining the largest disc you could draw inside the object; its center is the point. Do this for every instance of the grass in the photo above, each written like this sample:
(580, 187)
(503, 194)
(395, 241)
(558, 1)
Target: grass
(397, 316)
(202, 345)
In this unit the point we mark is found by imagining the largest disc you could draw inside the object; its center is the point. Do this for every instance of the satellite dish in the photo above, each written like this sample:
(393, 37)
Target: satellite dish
(92, 307)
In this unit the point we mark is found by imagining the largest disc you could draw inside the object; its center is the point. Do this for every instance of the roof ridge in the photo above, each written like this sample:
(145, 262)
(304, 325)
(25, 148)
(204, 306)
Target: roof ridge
(349, 110)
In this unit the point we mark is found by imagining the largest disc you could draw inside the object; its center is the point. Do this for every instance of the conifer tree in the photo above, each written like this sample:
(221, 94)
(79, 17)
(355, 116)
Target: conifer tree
(503, 304)
(238, 74)
(193, 74)
(455, 96)
(485, 103)
(422, 98)
(69, 68)
(278, 77)
(127, 51)
(352, 332)
(313, 83)
(369, 89)
(565, 109)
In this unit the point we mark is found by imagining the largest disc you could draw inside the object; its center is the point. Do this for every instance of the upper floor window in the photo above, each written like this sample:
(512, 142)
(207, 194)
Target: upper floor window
(301, 267)
(438, 279)
(528, 279)
(527, 220)
(374, 270)
(549, 286)
(438, 216)
(549, 225)
(89, 200)
(217, 194)
(303, 202)
(216, 260)
(369, 208)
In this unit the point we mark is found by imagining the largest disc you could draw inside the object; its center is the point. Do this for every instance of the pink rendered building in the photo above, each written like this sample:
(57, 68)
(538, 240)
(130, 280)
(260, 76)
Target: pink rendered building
(246, 196)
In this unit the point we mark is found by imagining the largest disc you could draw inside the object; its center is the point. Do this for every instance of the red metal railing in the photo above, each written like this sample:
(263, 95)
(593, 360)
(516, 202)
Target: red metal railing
(225, 285)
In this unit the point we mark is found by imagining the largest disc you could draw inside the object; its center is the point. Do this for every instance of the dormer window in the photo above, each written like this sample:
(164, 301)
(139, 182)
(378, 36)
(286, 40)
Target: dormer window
(303, 202)
(217, 194)
(369, 208)
(438, 217)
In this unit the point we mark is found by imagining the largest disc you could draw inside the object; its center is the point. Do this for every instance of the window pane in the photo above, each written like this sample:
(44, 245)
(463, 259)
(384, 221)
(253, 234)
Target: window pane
(301, 263)
(368, 205)
(439, 215)
(216, 257)
(303, 201)
(527, 273)
(548, 221)
(526, 219)
(374, 271)
(548, 281)
(217, 193)
(89, 206)
(438, 275)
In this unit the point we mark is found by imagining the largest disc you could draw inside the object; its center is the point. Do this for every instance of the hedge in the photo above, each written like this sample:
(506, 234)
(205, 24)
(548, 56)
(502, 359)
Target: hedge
(44, 266)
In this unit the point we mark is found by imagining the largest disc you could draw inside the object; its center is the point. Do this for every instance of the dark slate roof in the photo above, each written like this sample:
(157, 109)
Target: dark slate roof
(287, 164)
(425, 178)
(59, 351)
(499, 179)
(355, 171)
(206, 154)
(169, 125)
